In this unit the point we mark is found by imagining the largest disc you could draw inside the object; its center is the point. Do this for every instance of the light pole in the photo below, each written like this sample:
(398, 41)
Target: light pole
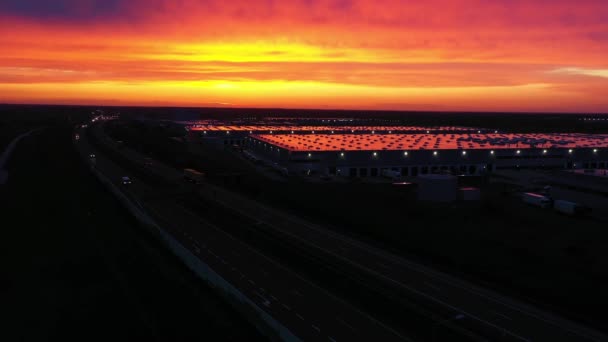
(434, 328)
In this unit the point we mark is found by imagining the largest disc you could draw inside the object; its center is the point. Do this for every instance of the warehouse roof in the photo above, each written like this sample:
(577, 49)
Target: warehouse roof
(378, 142)
(316, 128)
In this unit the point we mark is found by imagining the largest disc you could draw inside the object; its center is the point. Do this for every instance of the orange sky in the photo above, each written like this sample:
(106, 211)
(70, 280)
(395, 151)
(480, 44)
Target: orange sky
(506, 55)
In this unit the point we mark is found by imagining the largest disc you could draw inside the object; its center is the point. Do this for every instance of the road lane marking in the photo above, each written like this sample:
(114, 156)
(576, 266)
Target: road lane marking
(501, 315)
(434, 287)
(316, 328)
(287, 307)
(346, 324)
(300, 316)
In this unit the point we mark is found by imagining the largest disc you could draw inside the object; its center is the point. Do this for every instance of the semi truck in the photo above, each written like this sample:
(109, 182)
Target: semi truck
(569, 208)
(193, 176)
(536, 200)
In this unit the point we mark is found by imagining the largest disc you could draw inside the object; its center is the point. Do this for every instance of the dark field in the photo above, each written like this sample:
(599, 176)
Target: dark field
(77, 267)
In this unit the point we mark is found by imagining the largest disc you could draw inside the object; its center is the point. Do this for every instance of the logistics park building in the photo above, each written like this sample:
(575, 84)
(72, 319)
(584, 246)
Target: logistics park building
(409, 151)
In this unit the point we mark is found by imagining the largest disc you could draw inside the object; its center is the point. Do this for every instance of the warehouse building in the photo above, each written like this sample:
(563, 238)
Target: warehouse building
(370, 155)
(235, 134)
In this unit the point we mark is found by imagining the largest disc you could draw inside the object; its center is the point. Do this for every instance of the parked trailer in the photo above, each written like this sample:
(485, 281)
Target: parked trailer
(193, 176)
(536, 200)
(569, 208)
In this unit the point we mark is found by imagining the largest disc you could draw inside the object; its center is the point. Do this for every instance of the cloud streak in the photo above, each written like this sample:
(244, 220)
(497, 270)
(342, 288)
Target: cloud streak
(360, 52)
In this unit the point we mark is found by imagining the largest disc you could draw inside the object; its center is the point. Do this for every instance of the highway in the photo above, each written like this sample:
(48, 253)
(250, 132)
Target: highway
(308, 311)
(469, 306)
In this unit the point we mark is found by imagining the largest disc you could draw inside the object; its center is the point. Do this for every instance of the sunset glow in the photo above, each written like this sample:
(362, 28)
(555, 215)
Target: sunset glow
(432, 55)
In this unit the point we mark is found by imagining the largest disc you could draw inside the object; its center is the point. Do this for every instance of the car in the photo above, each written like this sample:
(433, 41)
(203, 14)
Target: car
(92, 156)
(125, 180)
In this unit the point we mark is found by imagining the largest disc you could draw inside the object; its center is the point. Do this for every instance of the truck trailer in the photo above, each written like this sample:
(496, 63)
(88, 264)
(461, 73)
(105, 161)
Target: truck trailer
(569, 208)
(536, 200)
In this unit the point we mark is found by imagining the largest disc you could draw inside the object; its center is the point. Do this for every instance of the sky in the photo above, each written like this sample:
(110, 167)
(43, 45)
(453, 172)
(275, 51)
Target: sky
(439, 55)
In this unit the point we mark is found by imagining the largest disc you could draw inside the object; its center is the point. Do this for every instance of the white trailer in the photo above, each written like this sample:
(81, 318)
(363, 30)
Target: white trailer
(536, 200)
(569, 208)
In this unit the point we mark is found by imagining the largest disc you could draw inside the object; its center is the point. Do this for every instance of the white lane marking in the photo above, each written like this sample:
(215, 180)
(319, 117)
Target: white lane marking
(501, 315)
(434, 287)
(251, 282)
(316, 328)
(296, 292)
(287, 307)
(346, 324)
(300, 316)
(274, 298)
(331, 339)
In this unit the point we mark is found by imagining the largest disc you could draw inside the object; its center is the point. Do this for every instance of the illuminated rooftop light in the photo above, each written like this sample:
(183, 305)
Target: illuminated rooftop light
(435, 153)
(405, 153)
(595, 150)
(310, 155)
(375, 154)
(544, 151)
(518, 152)
(464, 153)
(341, 154)
(570, 151)
(492, 152)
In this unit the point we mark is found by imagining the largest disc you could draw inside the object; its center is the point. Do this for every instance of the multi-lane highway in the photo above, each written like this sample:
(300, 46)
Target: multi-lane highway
(308, 311)
(297, 303)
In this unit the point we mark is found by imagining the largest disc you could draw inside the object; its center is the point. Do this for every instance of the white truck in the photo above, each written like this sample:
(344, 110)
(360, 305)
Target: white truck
(193, 176)
(536, 200)
(569, 208)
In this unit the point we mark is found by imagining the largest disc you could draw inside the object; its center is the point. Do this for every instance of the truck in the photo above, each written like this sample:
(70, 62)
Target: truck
(569, 208)
(392, 174)
(536, 200)
(193, 176)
